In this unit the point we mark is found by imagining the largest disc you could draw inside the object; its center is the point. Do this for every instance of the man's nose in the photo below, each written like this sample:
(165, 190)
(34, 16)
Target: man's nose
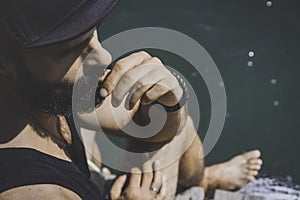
(97, 60)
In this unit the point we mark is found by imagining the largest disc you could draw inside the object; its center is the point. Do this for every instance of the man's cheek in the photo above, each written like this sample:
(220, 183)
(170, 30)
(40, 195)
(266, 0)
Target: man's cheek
(74, 70)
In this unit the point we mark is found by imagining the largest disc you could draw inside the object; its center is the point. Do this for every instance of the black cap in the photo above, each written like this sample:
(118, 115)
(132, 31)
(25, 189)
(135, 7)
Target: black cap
(35, 23)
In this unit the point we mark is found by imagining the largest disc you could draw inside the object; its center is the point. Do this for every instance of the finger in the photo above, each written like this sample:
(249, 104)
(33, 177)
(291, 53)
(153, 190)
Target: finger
(132, 76)
(143, 85)
(167, 92)
(163, 190)
(155, 92)
(157, 177)
(136, 94)
(116, 190)
(147, 175)
(121, 67)
(153, 60)
(135, 178)
(129, 79)
(172, 97)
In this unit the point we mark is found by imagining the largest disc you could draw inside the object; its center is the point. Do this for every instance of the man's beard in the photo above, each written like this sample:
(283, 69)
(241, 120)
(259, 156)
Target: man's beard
(57, 98)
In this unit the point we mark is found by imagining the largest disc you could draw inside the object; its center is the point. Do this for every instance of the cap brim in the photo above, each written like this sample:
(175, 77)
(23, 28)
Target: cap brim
(80, 22)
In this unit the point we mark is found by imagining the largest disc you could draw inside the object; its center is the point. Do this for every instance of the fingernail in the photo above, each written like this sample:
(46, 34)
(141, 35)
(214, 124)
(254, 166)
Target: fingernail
(103, 92)
(114, 102)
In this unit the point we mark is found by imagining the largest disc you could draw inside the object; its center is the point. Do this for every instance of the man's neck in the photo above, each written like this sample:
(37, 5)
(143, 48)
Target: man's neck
(20, 128)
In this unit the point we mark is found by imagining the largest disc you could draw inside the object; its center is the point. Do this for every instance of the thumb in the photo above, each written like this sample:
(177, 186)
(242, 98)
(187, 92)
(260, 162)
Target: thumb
(116, 190)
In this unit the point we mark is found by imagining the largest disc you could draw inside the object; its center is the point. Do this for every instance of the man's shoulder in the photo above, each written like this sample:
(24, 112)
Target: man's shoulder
(41, 191)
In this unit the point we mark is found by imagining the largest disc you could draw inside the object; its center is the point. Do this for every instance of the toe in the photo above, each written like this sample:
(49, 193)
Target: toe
(250, 178)
(252, 154)
(254, 167)
(255, 162)
(252, 173)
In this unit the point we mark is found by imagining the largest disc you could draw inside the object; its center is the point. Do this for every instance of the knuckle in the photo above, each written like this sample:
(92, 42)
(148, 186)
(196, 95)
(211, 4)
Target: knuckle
(156, 60)
(131, 194)
(126, 79)
(120, 65)
(169, 84)
(142, 83)
(149, 95)
(144, 54)
(178, 92)
(147, 165)
(162, 87)
(138, 85)
(135, 170)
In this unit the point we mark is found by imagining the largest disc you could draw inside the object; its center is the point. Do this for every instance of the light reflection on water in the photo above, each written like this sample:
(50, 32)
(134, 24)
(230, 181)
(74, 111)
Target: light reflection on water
(250, 63)
(269, 3)
(251, 54)
(276, 103)
(274, 81)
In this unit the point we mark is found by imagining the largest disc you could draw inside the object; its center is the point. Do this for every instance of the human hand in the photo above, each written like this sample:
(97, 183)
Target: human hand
(144, 78)
(136, 81)
(149, 185)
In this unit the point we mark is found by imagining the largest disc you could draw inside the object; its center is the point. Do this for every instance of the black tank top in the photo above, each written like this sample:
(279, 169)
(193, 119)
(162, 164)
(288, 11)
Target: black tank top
(24, 166)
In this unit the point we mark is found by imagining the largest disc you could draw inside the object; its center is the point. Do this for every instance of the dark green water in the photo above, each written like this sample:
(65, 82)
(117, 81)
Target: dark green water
(263, 100)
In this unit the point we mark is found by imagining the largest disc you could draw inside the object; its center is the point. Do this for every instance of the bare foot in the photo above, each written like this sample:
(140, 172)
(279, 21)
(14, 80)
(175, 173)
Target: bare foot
(233, 174)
